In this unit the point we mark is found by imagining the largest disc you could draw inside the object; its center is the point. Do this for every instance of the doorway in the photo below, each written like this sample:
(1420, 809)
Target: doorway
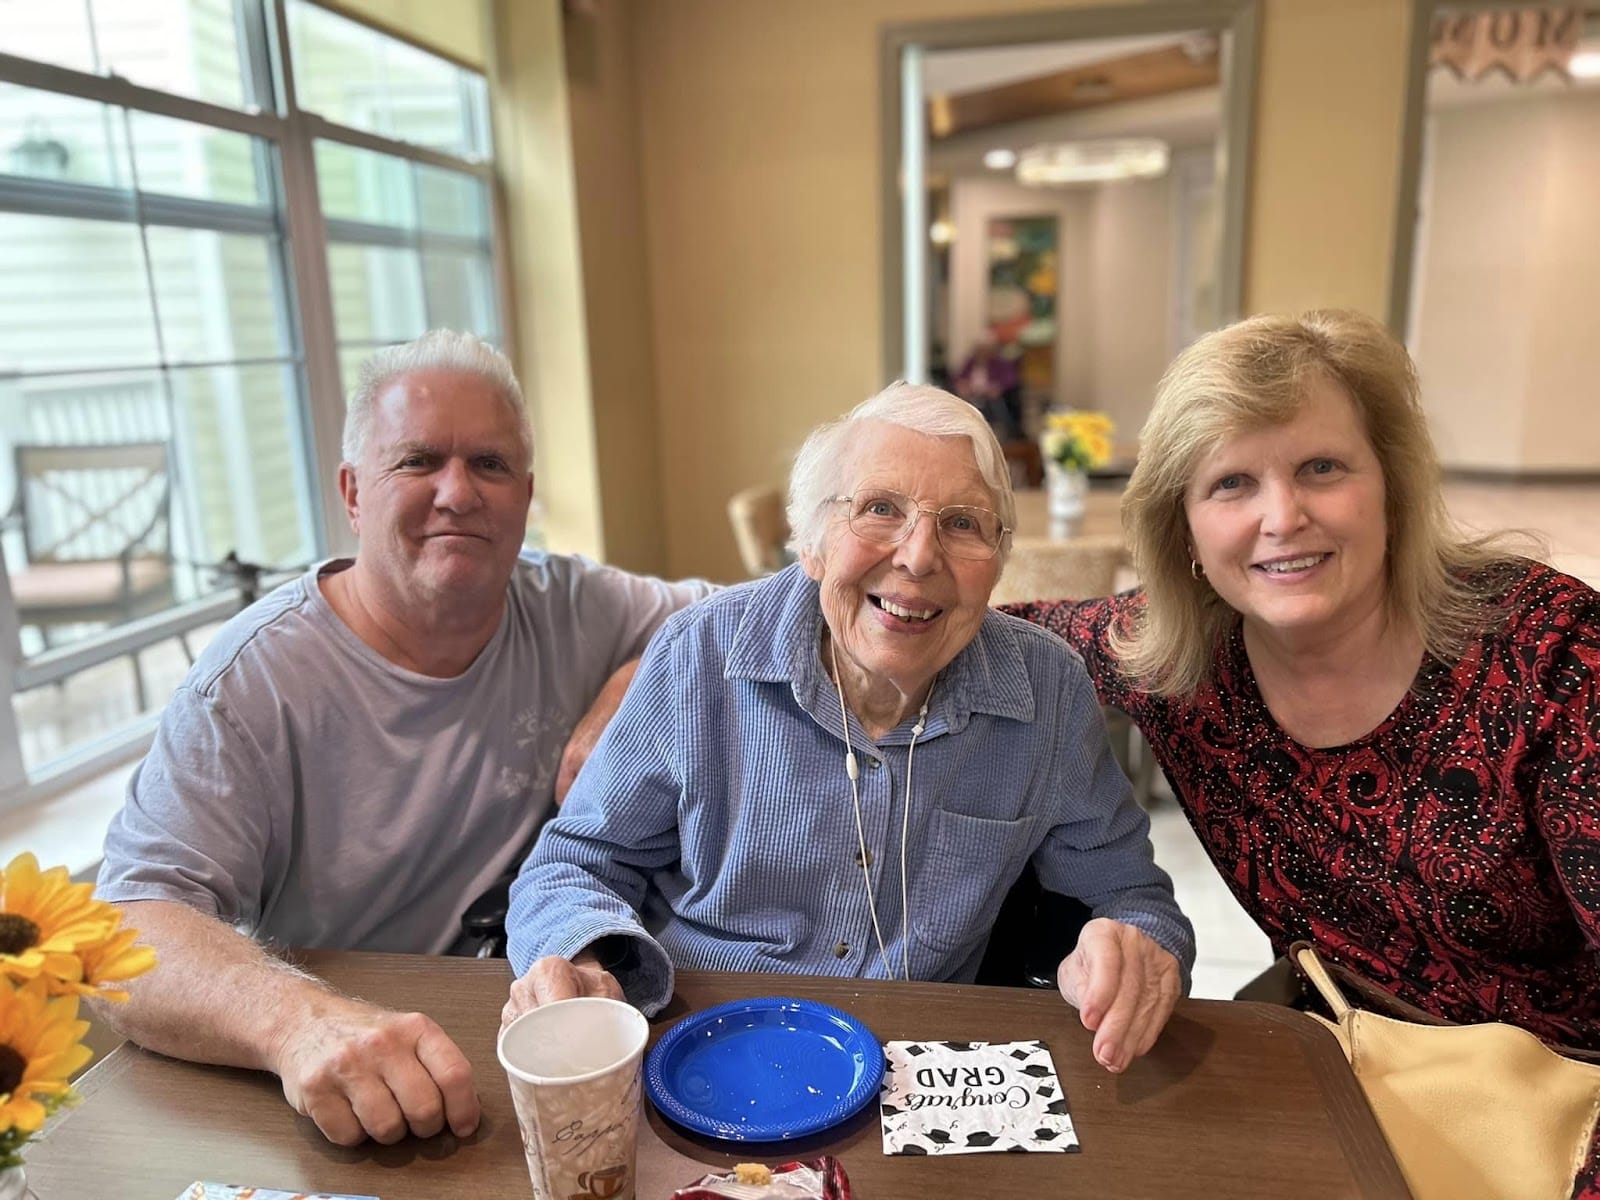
(1064, 193)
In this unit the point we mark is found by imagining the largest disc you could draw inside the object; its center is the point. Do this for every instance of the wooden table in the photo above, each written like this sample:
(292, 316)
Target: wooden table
(1237, 1100)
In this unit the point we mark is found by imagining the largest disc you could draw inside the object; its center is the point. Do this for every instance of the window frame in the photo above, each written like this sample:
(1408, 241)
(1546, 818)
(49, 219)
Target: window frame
(267, 68)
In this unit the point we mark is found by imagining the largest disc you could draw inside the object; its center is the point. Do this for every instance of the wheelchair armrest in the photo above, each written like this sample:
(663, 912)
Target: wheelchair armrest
(486, 916)
(1059, 920)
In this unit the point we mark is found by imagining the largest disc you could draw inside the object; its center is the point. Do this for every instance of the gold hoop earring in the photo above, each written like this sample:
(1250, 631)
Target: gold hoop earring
(1196, 571)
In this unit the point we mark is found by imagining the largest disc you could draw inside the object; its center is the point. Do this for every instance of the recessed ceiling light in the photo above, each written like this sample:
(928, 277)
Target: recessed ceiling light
(1098, 161)
(1000, 159)
(1584, 65)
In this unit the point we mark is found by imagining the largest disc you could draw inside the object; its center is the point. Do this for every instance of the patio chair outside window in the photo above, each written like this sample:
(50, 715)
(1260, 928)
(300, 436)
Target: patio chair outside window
(95, 529)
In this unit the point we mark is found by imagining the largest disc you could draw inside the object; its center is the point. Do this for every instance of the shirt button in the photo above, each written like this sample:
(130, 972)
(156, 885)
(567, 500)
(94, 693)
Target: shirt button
(863, 863)
(841, 949)
(874, 763)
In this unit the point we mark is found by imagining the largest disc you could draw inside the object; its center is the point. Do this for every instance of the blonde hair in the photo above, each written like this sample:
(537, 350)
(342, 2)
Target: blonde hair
(1254, 375)
(822, 464)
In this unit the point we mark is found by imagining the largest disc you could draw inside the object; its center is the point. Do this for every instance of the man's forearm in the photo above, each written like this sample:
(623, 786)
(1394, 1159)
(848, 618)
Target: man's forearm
(215, 995)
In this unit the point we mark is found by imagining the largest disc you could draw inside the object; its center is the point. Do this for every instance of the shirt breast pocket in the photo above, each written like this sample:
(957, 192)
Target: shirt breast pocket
(970, 862)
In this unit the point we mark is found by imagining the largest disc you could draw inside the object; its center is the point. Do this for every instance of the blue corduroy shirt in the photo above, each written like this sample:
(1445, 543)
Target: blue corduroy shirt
(714, 822)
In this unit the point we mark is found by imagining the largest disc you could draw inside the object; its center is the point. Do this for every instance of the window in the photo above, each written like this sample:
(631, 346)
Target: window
(357, 77)
(160, 383)
(408, 250)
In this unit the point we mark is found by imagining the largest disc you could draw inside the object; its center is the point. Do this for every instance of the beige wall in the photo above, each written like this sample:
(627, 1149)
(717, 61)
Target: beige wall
(1130, 255)
(1508, 282)
(621, 340)
(1329, 110)
(757, 127)
(550, 335)
(759, 130)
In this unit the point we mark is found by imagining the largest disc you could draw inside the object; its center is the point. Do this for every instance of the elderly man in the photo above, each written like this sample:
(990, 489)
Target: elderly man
(359, 754)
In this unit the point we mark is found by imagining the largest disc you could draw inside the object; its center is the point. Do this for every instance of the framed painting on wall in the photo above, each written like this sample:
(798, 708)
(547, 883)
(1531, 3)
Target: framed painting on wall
(1021, 306)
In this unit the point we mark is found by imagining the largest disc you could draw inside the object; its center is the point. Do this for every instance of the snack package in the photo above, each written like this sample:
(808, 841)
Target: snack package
(821, 1179)
(233, 1191)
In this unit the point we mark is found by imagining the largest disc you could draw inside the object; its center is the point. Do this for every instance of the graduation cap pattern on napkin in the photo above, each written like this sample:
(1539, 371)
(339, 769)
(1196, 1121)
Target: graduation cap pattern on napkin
(973, 1098)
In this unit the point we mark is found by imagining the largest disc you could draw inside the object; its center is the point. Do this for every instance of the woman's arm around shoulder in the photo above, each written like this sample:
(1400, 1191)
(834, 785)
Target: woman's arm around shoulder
(1086, 626)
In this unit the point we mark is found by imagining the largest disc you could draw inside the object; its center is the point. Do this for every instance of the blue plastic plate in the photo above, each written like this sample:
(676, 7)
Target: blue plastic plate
(764, 1070)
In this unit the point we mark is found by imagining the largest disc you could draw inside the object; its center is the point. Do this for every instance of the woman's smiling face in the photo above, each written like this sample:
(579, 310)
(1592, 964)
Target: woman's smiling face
(900, 611)
(1288, 521)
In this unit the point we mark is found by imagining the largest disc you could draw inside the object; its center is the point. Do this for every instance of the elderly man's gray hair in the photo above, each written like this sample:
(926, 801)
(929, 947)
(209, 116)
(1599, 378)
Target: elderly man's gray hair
(436, 350)
(822, 467)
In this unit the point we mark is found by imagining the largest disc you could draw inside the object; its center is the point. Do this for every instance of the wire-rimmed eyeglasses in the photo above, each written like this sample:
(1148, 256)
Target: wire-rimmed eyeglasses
(964, 530)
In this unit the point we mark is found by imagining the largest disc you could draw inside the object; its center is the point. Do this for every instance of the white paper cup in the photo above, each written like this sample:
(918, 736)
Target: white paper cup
(575, 1070)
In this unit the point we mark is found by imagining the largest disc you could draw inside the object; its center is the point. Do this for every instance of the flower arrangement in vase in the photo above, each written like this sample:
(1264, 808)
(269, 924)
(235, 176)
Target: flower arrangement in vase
(1073, 443)
(57, 945)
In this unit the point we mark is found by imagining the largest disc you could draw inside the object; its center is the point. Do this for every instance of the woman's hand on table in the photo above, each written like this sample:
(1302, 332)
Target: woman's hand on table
(1124, 987)
(360, 1071)
(556, 978)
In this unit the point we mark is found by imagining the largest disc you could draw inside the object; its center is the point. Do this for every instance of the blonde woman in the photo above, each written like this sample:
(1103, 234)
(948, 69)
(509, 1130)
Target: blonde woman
(1386, 734)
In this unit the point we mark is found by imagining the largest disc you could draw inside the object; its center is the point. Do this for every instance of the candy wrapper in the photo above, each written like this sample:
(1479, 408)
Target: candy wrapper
(822, 1179)
(236, 1191)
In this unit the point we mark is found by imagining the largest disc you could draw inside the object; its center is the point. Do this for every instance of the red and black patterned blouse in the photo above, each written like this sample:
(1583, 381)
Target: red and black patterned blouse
(1451, 855)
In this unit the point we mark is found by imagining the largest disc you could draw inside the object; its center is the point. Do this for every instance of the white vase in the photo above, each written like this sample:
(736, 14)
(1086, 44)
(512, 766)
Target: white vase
(1067, 492)
(13, 1184)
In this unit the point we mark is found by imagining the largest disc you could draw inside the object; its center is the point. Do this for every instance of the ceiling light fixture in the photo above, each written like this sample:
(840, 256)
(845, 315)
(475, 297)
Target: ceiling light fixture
(1000, 159)
(1585, 64)
(1093, 162)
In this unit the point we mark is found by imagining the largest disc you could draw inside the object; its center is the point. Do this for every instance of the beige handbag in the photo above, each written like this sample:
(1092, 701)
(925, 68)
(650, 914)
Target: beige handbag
(1481, 1111)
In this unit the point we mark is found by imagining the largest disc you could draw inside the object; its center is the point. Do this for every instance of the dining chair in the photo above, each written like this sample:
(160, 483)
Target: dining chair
(761, 529)
(1080, 568)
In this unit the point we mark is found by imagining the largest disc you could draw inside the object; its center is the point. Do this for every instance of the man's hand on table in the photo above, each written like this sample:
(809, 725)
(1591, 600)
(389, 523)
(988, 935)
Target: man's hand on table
(556, 978)
(360, 1071)
(1124, 987)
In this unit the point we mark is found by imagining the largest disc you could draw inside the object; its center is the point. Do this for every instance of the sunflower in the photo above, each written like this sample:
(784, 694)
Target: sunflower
(114, 960)
(40, 1047)
(45, 919)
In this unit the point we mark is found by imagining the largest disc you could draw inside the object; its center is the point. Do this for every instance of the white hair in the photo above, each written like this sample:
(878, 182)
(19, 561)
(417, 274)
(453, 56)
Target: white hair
(820, 467)
(436, 350)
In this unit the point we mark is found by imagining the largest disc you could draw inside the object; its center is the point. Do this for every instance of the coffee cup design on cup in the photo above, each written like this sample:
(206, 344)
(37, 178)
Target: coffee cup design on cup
(604, 1184)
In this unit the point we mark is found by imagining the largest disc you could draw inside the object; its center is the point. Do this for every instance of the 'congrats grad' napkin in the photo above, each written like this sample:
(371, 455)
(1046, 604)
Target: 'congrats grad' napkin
(972, 1098)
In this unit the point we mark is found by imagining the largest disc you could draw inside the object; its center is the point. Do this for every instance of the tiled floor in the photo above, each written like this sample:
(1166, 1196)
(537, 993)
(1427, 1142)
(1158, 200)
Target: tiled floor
(1232, 950)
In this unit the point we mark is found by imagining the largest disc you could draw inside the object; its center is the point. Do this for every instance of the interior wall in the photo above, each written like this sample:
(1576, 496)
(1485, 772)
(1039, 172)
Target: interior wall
(757, 127)
(1330, 104)
(759, 135)
(1130, 252)
(550, 334)
(605, 137)
(1508, 282)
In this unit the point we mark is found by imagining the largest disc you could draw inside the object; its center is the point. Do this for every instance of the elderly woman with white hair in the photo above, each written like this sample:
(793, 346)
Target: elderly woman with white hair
(841, 769)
